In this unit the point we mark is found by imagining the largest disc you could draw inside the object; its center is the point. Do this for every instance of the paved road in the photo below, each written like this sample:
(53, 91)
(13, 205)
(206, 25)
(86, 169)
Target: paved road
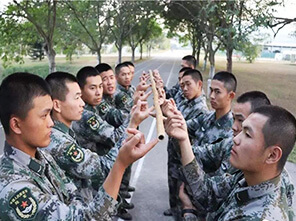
(149, 173)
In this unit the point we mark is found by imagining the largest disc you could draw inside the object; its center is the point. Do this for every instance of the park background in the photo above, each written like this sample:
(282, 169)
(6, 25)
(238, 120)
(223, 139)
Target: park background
(256, 40)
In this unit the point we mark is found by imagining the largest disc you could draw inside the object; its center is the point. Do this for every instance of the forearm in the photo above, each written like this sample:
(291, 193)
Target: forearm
(113, 180)
(186, 151)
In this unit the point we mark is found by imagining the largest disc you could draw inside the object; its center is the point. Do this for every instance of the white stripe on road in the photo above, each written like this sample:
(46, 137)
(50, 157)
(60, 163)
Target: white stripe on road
(149, 136)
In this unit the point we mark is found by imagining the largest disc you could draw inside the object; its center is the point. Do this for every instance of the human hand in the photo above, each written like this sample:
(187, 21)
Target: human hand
(175, 126)
(134, 147)
(168, 107)
(139, 112)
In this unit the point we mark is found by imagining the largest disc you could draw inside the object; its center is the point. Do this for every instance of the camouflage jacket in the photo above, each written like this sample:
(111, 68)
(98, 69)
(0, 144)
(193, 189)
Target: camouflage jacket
(189, 109)
(109, 112)
(80, 164)
(205, 129)
(171, 93)
(124, 100)
(93, 133)
(214, 157)
(229, 197)
(37, 189)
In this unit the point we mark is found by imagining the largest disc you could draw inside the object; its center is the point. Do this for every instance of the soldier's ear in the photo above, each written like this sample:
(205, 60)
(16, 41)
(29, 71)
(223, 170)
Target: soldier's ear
(14, 124)
(274, 155)
(57, 106)
(231, 95)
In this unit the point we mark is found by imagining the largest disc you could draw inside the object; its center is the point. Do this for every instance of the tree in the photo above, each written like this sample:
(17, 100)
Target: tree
(36, 51)
(251, 51)
(42, 15)
(88, 23)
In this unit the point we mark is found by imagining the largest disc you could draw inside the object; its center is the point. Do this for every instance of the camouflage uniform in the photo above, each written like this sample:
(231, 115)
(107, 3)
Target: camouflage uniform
(37, 189)
(205, 129)
(80, 164)
(94, 133)
(229, 197)
(171, 93)
(189, 109)
(124, 100)
(109, 112)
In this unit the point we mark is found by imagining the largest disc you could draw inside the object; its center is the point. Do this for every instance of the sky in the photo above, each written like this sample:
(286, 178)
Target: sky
(288, 11)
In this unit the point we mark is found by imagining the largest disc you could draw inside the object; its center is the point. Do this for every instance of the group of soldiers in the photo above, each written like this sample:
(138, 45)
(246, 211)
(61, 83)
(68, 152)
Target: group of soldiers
(71, 141)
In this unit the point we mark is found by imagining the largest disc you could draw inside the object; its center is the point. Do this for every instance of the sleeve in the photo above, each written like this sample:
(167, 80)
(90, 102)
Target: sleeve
(24, 200)
(171, 93)
(207, 193)
(212, 155)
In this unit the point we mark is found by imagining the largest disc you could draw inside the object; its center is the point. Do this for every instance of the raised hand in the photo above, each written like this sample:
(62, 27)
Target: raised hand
(139, 112)
(168, 107)
(175, 126)
(134, 147)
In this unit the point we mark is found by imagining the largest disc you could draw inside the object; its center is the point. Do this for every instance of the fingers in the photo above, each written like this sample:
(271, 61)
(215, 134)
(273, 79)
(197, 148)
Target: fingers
(150, 145)
(135, 138)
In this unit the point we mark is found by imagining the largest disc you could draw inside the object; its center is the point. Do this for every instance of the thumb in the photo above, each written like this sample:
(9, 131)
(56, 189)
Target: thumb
(134, 140)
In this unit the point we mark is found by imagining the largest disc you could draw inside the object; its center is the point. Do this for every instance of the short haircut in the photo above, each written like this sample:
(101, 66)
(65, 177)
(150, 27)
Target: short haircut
(190, 60)
(103, 67)
(129, 63)
(17, 93)
(119, 66)
(279, 129)
(228, 79)
(256, 99)
(57, 82)
(195, 74)
(185, 69)
(85, 72)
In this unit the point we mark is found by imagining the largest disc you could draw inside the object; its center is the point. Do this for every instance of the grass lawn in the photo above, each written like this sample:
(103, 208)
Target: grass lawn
(276, 79)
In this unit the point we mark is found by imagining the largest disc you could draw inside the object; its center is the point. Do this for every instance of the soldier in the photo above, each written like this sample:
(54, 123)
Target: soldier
(211, 127)
(91, 130)
(32, 185)
(188, 61)
(257, 190)
(131, 67)
(107, 108)
(194, 105)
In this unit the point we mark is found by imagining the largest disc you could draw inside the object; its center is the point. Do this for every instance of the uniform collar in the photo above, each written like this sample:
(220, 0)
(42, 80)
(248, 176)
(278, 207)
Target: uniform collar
(131, 88)
(21, 158)
(89, 108)
(247, 193)
(195, 100)
(63, 128)
(223, 121)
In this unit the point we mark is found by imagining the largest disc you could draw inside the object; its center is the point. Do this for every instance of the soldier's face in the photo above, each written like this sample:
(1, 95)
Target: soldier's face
(71, 109)
(109, 82)
(248, 152)
(180, 77)
(92, 91)
(124, 77)
(240, 112)
(191, 89)
(219, 96)
(35, 129)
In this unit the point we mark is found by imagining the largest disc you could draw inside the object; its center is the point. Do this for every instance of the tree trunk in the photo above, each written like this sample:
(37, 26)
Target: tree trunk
(212, 64)
(198, 53)
(205, 61)
(229, 53)
(141, 51)
(193, 45)
(119, 53)
(51, 59)
(99, 58)
(133, 54)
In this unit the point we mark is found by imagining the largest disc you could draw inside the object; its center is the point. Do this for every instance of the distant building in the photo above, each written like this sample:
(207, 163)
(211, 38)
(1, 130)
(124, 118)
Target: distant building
(283, 51)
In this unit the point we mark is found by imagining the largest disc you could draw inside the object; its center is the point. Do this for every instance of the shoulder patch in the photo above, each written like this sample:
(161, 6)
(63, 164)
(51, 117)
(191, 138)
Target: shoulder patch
(24, 204)
(75, 153)
(124, 99)
(103, 108)
(93, 123)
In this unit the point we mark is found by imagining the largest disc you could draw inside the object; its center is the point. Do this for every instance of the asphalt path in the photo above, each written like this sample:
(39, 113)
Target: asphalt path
(149, 174)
